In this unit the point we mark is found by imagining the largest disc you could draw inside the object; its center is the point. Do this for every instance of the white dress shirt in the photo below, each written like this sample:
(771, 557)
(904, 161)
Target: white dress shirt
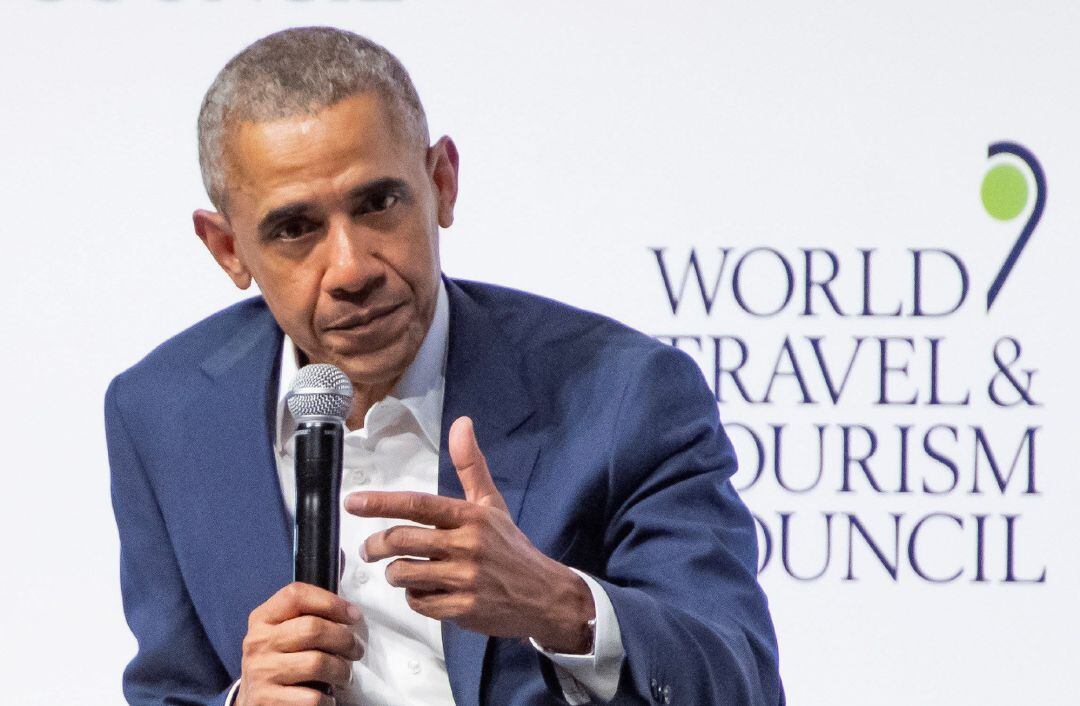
(398, 449)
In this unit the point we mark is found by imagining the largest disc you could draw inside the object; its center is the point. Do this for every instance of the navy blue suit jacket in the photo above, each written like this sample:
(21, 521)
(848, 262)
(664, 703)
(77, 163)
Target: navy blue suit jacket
(605, 443)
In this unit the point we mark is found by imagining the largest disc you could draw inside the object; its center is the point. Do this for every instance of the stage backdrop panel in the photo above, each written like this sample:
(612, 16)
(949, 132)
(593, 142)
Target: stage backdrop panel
(860, 219)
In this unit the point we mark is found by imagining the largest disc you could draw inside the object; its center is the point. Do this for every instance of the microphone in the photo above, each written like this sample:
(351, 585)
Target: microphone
(320, 399)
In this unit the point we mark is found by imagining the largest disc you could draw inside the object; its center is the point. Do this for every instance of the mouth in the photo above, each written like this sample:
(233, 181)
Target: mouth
(364, 318)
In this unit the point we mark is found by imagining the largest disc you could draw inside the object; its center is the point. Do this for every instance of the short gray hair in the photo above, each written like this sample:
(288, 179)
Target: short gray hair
(300, 71)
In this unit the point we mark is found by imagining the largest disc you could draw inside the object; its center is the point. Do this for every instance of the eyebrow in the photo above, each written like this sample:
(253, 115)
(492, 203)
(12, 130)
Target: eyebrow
(301, 208)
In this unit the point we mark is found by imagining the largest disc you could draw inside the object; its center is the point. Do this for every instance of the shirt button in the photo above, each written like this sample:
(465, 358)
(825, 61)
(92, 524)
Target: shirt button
(360, 477)
(360, 577)
(414, 666)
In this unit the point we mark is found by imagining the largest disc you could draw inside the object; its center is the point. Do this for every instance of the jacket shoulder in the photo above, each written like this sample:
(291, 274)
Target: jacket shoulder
(167, 371)
(536, 322)
(564, 347)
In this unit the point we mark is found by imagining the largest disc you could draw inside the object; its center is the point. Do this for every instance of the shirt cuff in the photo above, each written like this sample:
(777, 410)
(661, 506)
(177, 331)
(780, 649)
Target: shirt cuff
(596, 674)
(232, 693)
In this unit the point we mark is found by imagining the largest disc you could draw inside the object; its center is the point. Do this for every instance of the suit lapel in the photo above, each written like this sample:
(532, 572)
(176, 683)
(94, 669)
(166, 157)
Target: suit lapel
(483, 381)
(245, 539)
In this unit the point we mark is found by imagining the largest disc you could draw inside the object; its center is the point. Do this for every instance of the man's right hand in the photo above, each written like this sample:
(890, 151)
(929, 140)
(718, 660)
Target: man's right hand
(301, 634)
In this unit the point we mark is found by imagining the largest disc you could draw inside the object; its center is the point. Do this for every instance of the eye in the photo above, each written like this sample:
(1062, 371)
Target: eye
(293, 228)
(378, 203)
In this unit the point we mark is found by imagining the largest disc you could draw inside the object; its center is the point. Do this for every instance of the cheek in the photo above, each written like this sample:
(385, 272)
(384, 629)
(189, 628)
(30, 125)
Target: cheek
(292, 295)
(411, 256)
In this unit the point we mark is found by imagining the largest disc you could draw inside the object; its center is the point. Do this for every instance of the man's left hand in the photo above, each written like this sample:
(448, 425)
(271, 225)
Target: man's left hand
(477, 568)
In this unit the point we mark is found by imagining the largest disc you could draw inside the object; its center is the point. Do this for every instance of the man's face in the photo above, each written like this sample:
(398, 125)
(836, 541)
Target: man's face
(336, 217)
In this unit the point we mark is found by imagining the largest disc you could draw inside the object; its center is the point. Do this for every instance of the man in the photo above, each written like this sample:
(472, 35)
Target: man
(537, 499)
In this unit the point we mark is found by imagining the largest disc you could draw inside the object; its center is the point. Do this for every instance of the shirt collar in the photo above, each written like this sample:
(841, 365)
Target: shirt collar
(419, 389)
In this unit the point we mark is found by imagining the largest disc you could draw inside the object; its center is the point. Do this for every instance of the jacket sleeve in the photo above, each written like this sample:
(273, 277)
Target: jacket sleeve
(681, 549)
(175, 663)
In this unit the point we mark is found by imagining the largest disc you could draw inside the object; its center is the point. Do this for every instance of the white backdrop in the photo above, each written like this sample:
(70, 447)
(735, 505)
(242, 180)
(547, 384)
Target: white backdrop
(591, 136)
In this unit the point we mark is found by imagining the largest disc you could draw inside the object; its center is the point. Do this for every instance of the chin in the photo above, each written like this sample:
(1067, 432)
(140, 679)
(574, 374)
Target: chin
(382, 365)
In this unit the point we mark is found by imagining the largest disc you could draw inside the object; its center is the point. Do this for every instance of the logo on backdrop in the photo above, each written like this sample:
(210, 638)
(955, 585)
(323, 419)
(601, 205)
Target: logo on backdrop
(874, 442)
(1005, 196)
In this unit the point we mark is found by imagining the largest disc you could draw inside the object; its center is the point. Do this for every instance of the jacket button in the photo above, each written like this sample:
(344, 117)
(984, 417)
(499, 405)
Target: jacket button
(654, 690)
(667, 693)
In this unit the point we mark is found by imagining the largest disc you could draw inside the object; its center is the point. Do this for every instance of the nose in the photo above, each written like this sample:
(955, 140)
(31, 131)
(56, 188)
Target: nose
(352, 269)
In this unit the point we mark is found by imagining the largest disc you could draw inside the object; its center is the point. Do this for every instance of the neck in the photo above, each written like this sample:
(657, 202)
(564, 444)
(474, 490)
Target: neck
(364, 398)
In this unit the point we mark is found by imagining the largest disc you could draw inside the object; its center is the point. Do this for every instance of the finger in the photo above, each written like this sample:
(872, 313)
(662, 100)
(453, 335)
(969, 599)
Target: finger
(425, 508)
(471, 465)
(299, 667)
(293, 696)
(428, 576)
(298, 599)
(440, 605)
(404, 540)
(309, 632)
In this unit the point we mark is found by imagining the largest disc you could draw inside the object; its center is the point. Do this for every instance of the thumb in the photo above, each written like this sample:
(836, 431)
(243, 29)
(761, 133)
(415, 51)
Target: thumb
(471, 465)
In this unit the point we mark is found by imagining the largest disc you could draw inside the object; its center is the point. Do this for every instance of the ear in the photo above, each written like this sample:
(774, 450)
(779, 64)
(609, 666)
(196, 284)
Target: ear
(442, 163)
(218, 237)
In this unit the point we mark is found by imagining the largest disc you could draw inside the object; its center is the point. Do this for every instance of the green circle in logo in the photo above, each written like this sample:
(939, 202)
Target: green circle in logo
(1004, 192)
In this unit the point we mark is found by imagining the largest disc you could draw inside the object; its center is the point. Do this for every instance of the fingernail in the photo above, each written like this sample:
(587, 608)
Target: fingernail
(354, 613)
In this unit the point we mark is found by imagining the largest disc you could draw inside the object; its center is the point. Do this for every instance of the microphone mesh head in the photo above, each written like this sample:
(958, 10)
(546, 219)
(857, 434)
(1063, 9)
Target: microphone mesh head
(320, 390)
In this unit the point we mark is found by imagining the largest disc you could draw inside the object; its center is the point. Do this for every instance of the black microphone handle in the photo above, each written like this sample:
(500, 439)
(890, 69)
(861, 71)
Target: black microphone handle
(317, 538)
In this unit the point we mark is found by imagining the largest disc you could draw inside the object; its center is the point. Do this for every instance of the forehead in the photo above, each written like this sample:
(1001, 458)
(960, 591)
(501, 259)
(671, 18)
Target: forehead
(302, 156)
